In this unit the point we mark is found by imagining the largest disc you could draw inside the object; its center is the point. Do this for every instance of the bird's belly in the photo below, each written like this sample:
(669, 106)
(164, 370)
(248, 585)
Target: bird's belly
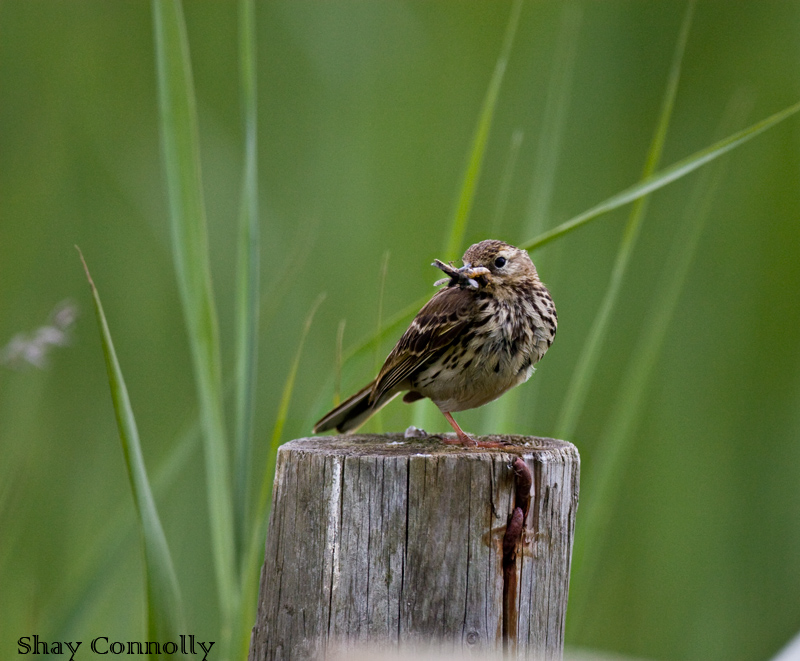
(455, 384)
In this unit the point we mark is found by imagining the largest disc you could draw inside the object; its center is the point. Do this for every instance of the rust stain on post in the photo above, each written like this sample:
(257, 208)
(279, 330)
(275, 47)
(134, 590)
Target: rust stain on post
(522, 475)
(511, 541)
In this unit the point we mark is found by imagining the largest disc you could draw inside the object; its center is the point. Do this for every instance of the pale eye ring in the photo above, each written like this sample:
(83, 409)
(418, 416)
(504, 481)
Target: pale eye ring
(500, 262)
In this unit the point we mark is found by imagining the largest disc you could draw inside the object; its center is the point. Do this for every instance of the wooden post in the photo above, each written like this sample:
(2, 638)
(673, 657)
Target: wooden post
(389, 540)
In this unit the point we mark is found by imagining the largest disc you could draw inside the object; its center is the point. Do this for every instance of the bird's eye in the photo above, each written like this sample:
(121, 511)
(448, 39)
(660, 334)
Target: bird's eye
(500, 262)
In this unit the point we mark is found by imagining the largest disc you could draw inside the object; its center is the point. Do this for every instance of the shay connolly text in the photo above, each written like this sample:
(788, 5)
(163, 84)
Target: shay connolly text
(102, 646)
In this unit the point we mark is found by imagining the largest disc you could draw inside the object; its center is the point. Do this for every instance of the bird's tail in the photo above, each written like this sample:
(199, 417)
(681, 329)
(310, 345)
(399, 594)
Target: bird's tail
(353, 412)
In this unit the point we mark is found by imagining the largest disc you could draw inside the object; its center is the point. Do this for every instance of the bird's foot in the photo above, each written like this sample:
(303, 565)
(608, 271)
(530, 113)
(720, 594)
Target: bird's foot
(461, 439)
(492, 444)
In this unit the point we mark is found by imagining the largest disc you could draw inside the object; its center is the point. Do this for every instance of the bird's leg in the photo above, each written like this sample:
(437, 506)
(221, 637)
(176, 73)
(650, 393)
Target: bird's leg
(466, 440)
(463, 438)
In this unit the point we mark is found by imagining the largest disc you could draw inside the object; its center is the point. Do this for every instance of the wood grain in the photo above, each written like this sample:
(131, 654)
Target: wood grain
(384, 539)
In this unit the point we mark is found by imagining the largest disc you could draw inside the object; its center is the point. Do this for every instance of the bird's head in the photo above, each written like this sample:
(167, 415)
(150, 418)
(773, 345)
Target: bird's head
(488, 264)
(498, 263)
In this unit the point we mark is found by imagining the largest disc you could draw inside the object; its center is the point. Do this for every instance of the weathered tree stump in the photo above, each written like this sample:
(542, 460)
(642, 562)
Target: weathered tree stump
(392, 540)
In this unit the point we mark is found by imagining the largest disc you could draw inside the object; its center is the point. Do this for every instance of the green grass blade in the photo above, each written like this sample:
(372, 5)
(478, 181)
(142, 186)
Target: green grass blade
(255, 549)
(164, 608)
(393, 324)
(247, 281)
(283, 412)
(366, 347)
(663, 177)
(96, 570)
(337, 376)
(378, 358)
(502, 416)
(455, 236)
(180, 148)
(280, 285)
(504, 190)
(590, 354)
(656, 181)
(554, 119)
(360, 352)
(618, 436)
(377, 419)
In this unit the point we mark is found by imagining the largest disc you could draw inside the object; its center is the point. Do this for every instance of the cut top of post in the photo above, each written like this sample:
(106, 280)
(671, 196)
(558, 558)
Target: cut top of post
(399, 445)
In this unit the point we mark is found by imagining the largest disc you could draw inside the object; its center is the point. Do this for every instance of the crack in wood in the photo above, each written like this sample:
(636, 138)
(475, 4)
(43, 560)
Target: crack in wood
(511, 542)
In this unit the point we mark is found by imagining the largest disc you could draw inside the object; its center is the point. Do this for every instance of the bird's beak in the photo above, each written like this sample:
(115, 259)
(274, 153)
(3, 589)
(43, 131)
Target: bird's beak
(473, 274)
(466, 273)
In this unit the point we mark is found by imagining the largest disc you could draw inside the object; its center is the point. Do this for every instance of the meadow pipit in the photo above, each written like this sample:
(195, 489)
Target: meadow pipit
(479, 336)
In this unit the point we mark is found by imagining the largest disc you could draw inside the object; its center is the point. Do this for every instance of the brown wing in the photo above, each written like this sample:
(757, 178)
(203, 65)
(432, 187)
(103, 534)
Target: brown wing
(436, 325)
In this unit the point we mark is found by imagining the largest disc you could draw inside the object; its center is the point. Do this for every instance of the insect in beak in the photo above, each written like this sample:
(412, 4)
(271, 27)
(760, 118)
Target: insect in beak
(466, 276)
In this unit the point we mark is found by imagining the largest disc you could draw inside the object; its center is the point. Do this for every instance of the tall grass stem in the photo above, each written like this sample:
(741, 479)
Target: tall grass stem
(575, 398)
(663, 177)
(256, 542)
(247, 280)
(181, 153)
(455, 236)
(164, 607)
(618, 435)
(556, 110)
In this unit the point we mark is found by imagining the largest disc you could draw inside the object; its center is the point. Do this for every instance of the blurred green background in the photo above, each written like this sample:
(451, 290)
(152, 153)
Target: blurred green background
(367, 113)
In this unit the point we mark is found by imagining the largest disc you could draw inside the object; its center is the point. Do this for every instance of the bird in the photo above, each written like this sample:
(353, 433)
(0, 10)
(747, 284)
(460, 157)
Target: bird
(478, 336)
